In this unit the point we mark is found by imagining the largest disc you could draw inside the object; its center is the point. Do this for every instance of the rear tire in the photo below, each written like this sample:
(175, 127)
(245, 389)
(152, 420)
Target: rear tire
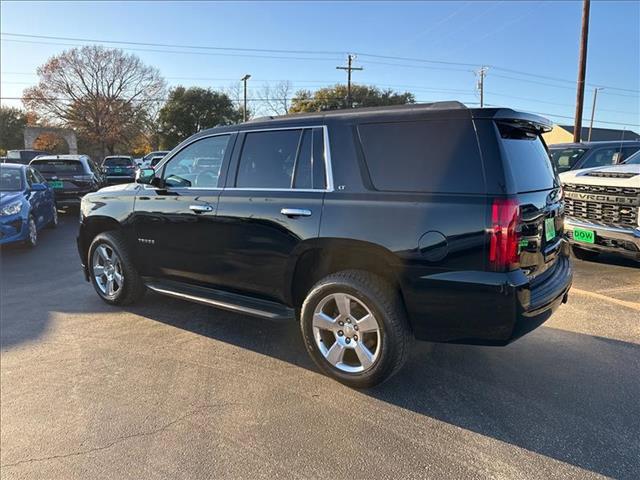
(584, 254)
(355, 328)
(112, 271)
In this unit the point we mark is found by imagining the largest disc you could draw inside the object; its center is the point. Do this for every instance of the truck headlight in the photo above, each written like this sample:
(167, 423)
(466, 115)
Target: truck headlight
(11, 209)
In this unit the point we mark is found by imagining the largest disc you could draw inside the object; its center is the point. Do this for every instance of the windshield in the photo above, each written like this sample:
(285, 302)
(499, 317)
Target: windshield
(565, 159)
(633, 159)
(10, 179)
(60, 167)
(117, 162)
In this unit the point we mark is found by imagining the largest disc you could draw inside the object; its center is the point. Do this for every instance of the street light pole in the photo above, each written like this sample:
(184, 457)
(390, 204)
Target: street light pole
(244, 110)
(593, 110)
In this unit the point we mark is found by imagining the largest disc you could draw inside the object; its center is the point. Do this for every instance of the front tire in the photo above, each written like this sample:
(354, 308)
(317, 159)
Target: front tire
(32, 233)
(355, 328)
(111, 270)
(54, 217)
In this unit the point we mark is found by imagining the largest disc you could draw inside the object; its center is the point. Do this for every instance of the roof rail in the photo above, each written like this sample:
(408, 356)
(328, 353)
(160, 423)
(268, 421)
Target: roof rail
(444, 105)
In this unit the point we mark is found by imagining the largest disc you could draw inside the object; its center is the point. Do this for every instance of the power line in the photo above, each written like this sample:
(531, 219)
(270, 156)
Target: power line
(308, 52)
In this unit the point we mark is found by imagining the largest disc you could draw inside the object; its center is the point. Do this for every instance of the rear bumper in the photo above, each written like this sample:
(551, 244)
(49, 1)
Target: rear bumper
(72, 197)
(116, 179)
(625, 241)
(486, 308)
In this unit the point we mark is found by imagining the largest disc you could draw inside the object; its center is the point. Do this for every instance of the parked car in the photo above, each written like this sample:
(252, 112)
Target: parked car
(23, 156)
(603, 209)
(146, 160)
(576, 156)
(27, 204)
(155, 161)
(71, 176)
(370, 226)
(119, 169)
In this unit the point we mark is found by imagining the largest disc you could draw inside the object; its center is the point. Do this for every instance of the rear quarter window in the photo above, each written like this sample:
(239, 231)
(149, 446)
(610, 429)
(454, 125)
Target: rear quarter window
(423, 156)
(527, 160)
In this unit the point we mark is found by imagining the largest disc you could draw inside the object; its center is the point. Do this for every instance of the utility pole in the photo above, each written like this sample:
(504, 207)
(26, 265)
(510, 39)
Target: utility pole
(481, 74)
(593, 111)
(349, 68)
(582, 68)
(244, 110)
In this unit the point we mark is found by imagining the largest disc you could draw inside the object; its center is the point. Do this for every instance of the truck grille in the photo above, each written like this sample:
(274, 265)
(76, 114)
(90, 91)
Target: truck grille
(612, 212)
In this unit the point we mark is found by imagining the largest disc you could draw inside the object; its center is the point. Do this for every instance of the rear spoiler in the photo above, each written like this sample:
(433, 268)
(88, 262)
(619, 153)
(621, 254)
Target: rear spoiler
(525, 121)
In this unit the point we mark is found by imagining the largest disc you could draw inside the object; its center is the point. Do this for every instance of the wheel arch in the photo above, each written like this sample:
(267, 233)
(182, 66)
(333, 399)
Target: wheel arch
(317, 258)
(90, 228)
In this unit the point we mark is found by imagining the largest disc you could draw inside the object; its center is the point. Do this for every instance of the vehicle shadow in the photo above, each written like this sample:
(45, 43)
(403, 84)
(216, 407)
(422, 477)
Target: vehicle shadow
(611, 259)
(565, 395)
(36, 281)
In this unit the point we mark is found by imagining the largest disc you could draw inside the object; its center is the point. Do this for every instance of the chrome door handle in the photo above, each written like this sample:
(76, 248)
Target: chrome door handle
(201, 208)
(295, 212)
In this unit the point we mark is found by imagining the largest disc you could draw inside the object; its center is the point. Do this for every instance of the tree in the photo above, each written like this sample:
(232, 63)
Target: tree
(333, 98)
(12, 123)
(189, 110)
(51, 143)
(276, 99)
(236, 93)
(104, 94)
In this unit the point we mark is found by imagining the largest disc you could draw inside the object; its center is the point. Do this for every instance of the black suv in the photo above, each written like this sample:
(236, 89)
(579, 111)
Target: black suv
(70, 176)
(575, 156)
(369, 226)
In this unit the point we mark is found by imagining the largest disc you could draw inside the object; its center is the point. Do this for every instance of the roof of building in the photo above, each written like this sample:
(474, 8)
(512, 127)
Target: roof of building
(604, 134)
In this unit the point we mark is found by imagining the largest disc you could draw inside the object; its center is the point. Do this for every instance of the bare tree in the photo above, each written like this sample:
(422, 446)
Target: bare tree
(235, 92)
(106, 95)
(276, 99)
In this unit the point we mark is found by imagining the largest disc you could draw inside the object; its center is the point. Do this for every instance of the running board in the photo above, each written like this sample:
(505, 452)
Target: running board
(225, 300)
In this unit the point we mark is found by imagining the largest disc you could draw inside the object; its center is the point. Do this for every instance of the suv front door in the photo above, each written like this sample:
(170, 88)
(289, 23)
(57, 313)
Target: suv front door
(272, 203)
(174, 225)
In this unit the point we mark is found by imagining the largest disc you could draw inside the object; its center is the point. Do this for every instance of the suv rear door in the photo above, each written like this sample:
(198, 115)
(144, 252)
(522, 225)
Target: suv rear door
(272, 202)
(533, 182)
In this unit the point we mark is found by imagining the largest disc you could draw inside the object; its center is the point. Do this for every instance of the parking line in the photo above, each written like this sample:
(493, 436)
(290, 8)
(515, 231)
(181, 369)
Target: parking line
(623, 303)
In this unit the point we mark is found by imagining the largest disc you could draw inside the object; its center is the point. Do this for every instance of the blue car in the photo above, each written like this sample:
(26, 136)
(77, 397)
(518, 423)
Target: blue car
(27, 204)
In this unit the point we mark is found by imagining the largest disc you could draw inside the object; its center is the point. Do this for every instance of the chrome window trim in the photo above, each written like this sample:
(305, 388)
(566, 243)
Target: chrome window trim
(328, 171)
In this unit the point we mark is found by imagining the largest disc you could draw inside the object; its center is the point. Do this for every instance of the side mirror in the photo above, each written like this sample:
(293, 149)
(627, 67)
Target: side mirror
(145, 175)
(38, 187)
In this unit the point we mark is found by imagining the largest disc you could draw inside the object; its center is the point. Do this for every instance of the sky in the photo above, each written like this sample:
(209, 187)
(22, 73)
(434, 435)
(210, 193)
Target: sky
(431, 49)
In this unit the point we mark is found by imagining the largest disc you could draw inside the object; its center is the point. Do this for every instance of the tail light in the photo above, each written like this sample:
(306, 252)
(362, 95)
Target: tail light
(503, 234)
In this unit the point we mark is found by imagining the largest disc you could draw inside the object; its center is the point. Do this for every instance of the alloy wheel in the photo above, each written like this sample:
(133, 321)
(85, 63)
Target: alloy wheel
(33, 232)
(107, 270)
(347, 333)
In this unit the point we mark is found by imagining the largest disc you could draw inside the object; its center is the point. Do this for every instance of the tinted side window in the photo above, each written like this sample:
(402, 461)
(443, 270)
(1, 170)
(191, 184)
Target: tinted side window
(303, 172)
(198, 164)
(268, 159)
(424, 156)
(317, 160)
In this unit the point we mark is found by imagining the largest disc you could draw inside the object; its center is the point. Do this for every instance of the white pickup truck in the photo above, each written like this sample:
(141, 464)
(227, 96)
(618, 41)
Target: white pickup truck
(603, 209)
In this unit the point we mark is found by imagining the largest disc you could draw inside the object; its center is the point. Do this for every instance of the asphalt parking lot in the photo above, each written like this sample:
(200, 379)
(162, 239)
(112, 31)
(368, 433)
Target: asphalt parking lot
(168, 389)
